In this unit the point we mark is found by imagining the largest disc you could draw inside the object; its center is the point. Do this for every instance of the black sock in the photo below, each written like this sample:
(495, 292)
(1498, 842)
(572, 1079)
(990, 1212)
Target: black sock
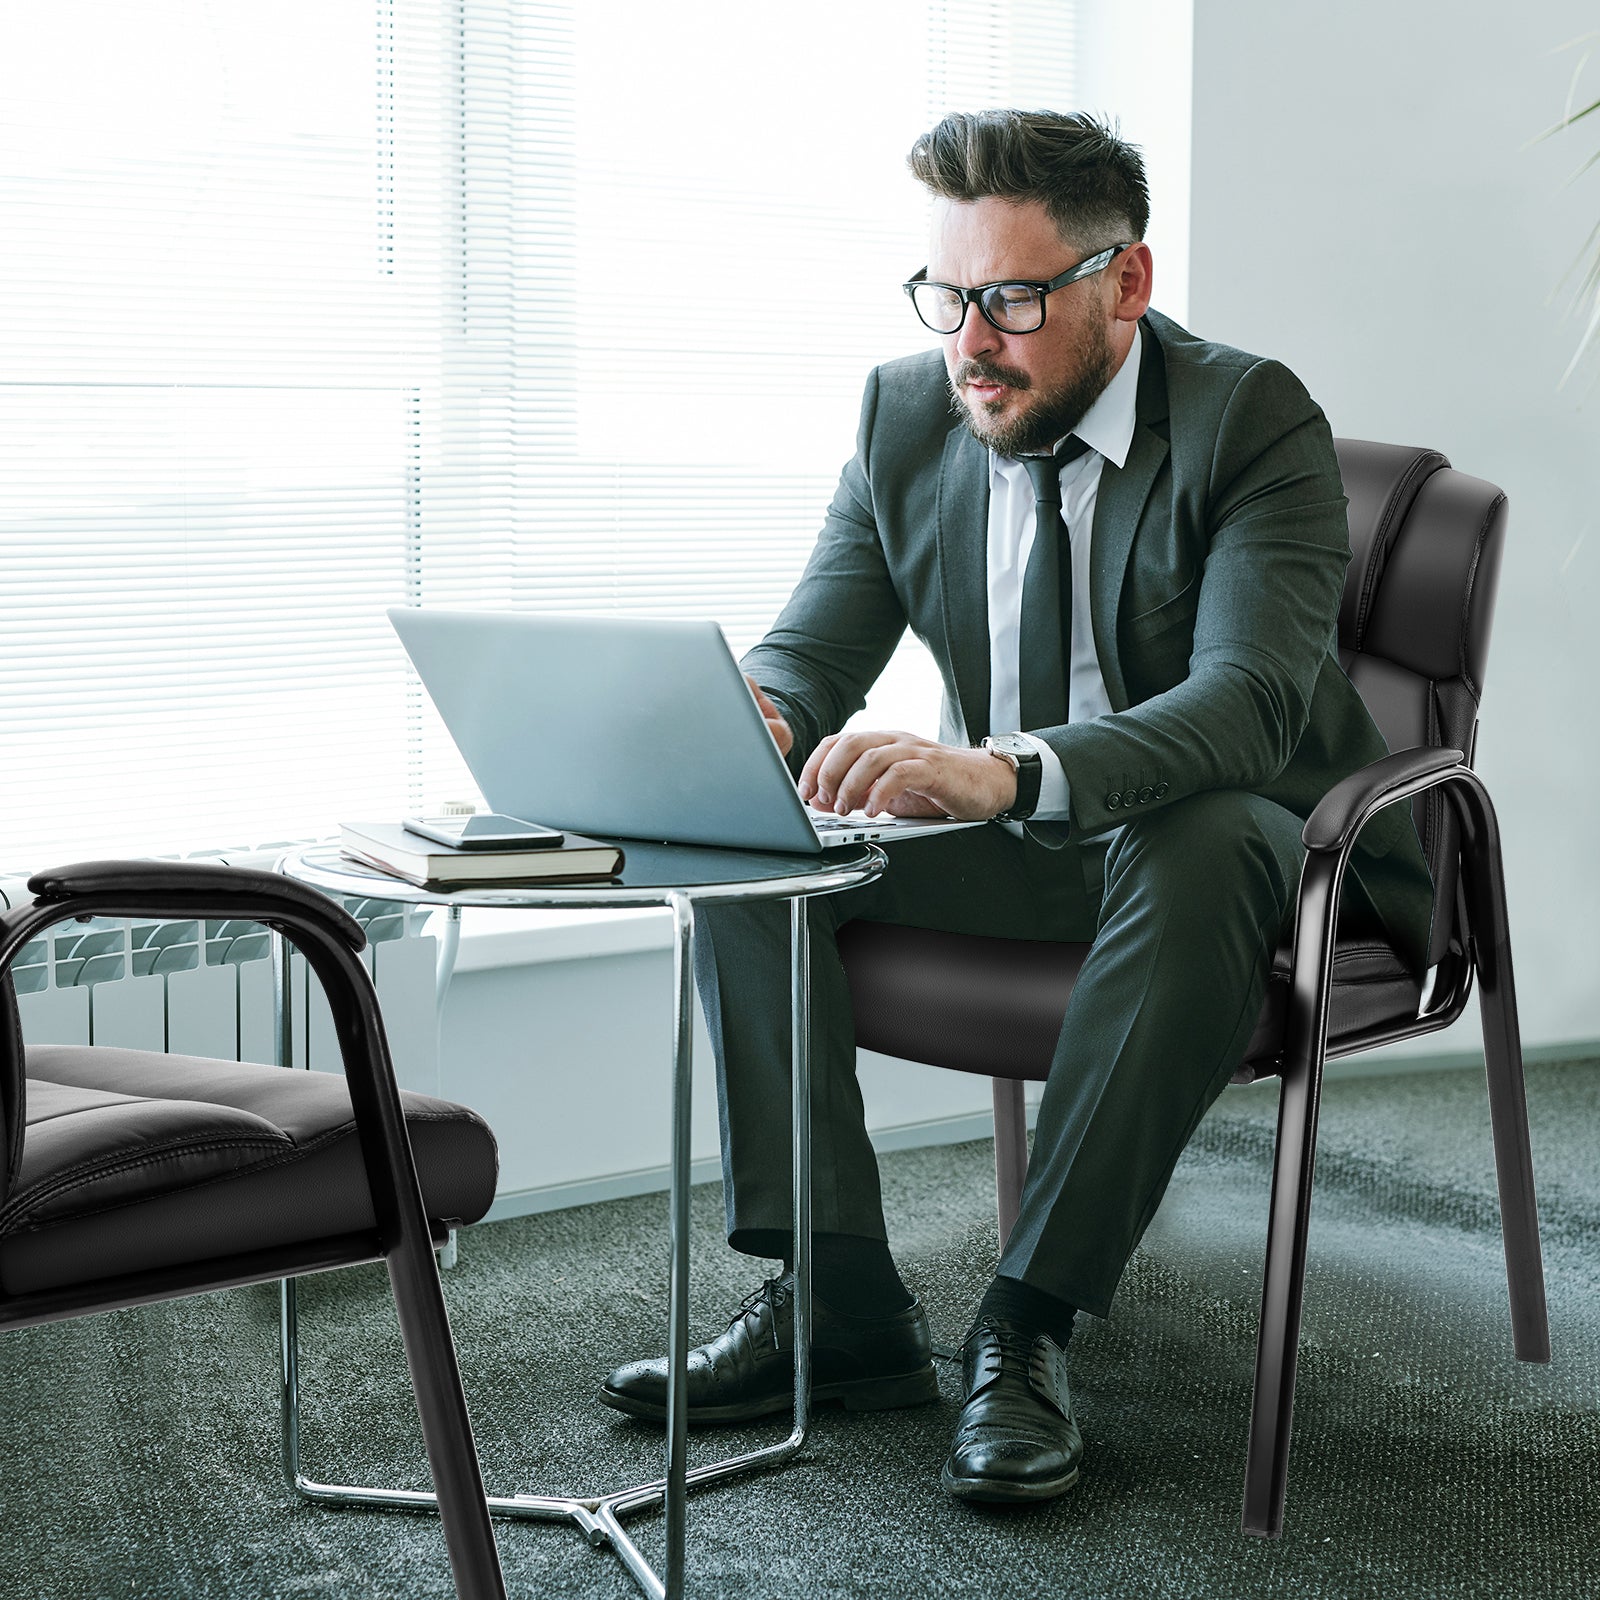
(853, 1274)
(1012, 1300)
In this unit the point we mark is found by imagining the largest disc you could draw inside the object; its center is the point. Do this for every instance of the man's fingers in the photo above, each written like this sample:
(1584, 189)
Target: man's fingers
(776, 723)
(808, 773)
(859, 764)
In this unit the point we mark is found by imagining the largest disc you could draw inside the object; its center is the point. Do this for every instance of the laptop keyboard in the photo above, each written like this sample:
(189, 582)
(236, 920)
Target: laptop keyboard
(828, 821)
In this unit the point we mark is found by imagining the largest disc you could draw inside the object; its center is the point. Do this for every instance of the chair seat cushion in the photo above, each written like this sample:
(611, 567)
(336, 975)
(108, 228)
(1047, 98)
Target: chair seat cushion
(994, 1006)
(135, 1160)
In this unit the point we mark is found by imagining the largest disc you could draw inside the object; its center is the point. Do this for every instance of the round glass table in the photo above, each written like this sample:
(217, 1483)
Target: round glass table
(677, 877)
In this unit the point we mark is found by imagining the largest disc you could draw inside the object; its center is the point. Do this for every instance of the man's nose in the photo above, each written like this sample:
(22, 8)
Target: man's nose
(976, 336)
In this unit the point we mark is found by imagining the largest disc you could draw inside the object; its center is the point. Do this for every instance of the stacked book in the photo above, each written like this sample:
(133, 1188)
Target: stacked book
(394, 849)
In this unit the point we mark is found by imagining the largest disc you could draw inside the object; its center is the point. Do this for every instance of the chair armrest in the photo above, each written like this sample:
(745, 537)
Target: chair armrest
(324, 933)
(191, 888)
(1340, 813)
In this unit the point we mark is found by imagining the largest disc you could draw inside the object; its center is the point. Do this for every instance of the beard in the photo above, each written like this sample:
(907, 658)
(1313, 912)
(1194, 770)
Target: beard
(1052, 413)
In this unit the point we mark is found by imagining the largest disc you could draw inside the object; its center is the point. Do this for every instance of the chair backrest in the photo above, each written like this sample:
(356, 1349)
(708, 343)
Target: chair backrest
(1414, 623)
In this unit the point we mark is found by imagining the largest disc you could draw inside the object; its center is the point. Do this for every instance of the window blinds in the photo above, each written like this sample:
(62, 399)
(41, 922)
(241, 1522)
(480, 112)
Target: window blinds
(311, 309)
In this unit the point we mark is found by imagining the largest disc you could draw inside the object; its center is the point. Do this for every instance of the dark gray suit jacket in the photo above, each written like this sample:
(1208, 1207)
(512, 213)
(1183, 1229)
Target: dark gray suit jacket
(1217, 565)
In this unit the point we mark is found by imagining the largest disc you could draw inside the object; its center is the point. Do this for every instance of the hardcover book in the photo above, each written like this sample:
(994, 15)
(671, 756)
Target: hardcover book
(392, 848)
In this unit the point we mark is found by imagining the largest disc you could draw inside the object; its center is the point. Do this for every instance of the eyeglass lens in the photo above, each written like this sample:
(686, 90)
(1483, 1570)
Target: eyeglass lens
(1013, 307)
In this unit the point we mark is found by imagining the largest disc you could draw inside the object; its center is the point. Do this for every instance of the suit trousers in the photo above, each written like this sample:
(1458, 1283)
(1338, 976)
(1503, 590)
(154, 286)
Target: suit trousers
(1183, 907)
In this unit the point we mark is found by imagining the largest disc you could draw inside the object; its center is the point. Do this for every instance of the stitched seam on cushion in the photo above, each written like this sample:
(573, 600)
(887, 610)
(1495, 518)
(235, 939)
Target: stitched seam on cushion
(1423, 465)
(1466, 598)
(328, 1136)
(119, 1099)
(86, 1174)
(295, 1152)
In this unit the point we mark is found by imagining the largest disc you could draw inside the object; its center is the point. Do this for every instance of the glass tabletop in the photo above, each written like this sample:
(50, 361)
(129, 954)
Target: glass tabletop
(651, 875)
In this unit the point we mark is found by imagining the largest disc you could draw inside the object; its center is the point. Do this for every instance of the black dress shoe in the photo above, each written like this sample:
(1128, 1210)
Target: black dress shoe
(864, 1363)
(1016, 1439)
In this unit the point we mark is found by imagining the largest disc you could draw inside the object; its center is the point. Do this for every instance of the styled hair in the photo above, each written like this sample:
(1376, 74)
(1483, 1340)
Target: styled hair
(1087, 178)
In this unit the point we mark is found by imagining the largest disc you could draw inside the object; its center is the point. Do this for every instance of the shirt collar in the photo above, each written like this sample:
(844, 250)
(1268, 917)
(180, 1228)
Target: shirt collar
(1108, 424)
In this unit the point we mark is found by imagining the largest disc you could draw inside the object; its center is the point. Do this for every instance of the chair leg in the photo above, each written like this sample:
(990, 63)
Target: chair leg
(1284, 1277)
(1282, 1297)
(1484, 880)
(446, 1427)
(1010, 1152)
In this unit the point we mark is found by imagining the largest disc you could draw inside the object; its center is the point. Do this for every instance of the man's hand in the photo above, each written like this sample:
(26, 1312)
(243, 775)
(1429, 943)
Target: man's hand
(780, 730)
(907, 776)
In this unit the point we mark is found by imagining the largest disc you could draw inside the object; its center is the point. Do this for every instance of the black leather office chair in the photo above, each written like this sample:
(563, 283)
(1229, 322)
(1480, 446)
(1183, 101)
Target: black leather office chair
(1414, 637)
(128, 1177)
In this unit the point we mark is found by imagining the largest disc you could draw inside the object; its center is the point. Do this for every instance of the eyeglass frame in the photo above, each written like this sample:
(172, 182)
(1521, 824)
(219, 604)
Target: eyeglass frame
(972, 297)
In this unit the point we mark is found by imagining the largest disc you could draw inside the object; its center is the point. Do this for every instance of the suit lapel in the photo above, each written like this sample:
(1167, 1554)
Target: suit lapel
(963, 521)
(1119, 505)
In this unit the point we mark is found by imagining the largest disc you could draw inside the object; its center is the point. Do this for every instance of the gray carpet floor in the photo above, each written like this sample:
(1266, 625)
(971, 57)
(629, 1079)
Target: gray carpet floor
(141, 1447)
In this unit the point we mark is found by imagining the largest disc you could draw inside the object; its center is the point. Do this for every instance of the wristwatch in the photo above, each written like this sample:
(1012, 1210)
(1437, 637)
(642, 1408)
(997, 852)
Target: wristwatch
(1023, 759)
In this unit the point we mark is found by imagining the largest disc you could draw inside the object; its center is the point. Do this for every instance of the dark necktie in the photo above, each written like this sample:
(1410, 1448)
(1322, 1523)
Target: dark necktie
(1044, 645)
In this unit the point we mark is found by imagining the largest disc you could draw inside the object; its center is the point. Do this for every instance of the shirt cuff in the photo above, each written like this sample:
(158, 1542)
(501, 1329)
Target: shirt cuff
(1054, 796)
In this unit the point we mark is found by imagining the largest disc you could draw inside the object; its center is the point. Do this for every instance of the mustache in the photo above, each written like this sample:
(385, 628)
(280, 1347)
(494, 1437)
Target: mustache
(971, 371)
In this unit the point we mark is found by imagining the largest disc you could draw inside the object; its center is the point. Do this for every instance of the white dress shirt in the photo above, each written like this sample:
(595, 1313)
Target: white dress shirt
(1107, 428)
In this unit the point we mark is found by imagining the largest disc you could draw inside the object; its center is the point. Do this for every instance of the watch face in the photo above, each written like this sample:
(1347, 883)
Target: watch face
(1013, 745)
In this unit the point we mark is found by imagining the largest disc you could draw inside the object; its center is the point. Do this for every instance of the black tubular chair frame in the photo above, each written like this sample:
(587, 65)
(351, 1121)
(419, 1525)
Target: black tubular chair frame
(1413, 631)
(330, 941)
(1329, 835)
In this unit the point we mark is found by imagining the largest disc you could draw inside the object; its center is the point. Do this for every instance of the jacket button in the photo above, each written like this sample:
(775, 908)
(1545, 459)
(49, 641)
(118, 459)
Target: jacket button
(1130, 798)
(1113, 801)
(1161, 790)
(1144, 795)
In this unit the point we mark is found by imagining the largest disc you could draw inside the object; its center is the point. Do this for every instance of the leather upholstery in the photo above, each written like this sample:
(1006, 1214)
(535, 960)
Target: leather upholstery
(1414, 626)
(994, 1006)
(1435, 608)
(1380, 484)
(1418, 649)
(136, 1160)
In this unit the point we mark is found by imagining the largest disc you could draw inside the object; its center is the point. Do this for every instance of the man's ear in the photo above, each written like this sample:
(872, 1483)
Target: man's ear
(1131, 276)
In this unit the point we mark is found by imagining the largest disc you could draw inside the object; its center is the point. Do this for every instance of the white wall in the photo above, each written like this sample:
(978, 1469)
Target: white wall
(1134, 65)
(1366, 206)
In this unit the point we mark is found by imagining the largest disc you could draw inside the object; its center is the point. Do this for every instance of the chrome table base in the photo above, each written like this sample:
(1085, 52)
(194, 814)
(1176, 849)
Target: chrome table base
(599, 1517)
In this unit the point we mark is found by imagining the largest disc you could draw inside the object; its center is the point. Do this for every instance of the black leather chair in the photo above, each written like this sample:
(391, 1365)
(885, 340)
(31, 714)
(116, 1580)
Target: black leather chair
(128, 1177)
(1413, 636)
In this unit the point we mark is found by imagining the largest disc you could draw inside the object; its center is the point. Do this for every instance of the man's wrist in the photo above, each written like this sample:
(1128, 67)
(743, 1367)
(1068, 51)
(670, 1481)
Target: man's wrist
(1027, 771)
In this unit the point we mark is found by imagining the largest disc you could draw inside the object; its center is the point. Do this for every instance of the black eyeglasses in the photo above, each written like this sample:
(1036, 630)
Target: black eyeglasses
(1014, 307)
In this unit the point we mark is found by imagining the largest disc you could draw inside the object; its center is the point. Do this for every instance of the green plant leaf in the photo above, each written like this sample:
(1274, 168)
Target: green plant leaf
(1565, 122)
(1587, 297)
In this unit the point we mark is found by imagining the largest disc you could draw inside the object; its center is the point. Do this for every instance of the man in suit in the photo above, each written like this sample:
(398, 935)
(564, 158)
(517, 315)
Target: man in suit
(1125, 548)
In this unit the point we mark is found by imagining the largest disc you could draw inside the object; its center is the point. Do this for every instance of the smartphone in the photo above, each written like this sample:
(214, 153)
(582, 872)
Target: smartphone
(487, 831)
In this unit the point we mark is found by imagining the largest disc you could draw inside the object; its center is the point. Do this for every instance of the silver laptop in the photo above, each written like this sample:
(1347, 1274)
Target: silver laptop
(620, 726)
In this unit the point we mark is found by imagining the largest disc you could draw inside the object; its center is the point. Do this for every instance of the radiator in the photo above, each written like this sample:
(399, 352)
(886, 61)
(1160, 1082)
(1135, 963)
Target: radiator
(205, 988)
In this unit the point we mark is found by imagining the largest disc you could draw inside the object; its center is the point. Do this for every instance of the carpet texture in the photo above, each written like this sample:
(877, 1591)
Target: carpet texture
(1427, 1463)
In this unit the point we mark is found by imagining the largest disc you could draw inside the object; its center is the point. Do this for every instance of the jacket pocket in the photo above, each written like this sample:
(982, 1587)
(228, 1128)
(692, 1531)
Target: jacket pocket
(1177, 608)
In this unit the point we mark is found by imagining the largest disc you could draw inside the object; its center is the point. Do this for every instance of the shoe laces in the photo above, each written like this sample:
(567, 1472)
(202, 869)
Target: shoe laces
(1030, 1351)
(1005, 1339)
(774, 1291)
